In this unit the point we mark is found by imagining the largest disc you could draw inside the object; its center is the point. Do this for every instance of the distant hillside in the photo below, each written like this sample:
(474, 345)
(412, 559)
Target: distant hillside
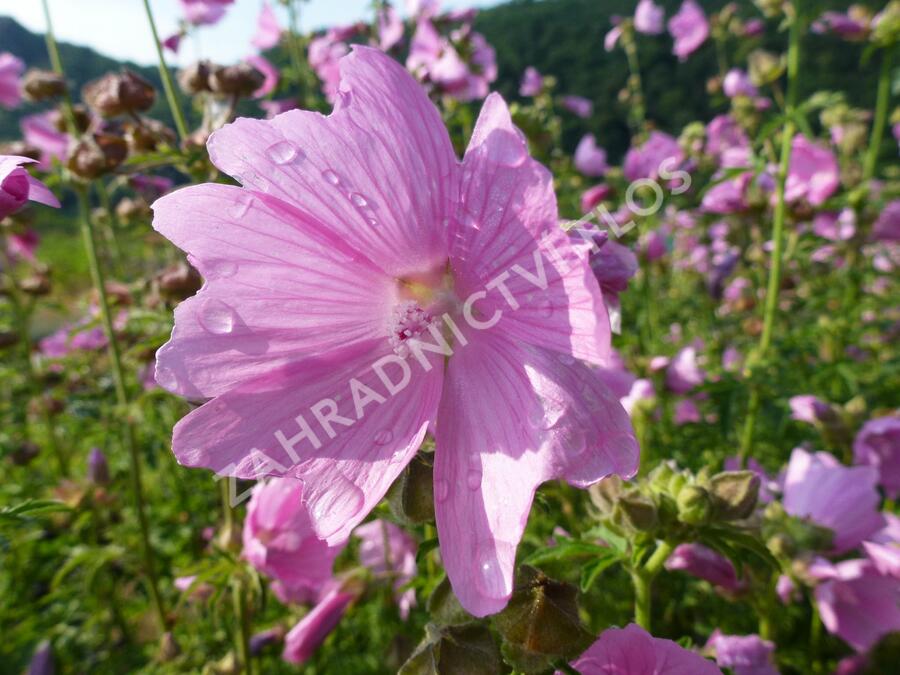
(562, 38)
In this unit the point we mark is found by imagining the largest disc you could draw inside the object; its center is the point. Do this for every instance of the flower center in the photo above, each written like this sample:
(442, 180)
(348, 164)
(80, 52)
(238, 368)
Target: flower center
(424, 299)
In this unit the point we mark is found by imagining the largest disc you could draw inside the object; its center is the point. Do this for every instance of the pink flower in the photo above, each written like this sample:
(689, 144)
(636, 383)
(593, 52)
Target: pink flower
(842, 25)
(434, 59)
(304, 638)
(878, 445)
(728, 196)
(268, 32)
(324, 53)
(727, 142)
(744, 654)
(594, 196)
(641, 390)
(737, 83)
(310, 374)
(613, 266)
(704, 563)
(887, 227)
(173, 42)
(590, 159)
(204, 12)
(39, 130)
(578, 105)
(841, 498)
(813, 174)
(835, 226)
(17, 186)
(684, 372)
(11, 69)
(428, 8)
(659, 152)
(612, 37)
(532, 82)
(270, 72)
(649, 18)
(689, 29)
(279, 540)
(786, 590)
(809, 409)
(633, 651)
(883, 548)
(397, 559)
(687, 412)
(274, 107)
(22, 245)
(390, 28)
(856, 603)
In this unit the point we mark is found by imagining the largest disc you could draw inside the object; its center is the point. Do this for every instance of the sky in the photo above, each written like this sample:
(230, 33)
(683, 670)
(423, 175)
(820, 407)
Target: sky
(118, 28)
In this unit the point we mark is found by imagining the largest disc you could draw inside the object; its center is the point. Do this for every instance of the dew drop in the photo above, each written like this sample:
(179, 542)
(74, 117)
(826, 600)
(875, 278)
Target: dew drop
(241, 206)
(284, 152)
(572, 440)
(566, 359)
(494, 560)
(331, 177)
(441, 490)
(166, 378)
(216, 317)
(384, 437)
(473, 479)
(220, 269)
(544, 307)
(359, 200)
(334, 506)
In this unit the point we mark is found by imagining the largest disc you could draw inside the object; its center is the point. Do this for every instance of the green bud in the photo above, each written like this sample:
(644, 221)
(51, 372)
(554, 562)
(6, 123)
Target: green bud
(676, 483)
(455, 650)
(886, 31)
(605, 494)
(735, 494)
(694, 505)
(659, 478)
(411, 497)
(636, 513)
(765, 67)
(542, 617)
(444, 608)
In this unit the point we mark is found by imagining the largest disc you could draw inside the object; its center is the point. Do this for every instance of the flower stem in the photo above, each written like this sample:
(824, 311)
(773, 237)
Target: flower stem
(90, 246)
(638, 111)
(166, 76)
(881, 109)
(775, 265)
(642, 580)
(56, 64)
(239, 599)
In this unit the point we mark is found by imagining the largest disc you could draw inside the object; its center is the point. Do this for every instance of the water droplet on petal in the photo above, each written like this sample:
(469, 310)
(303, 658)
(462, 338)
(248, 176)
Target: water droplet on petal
(284, 152)
(384, 437)
(331, 177)
(566, 359)
(494, 561)
(544, 307)
(220, 269)
(336, 504)
(441, 490)
(166, 378)
(572, 440)
(473, 479)
(240, 207)
(216, 317)
(358, 200)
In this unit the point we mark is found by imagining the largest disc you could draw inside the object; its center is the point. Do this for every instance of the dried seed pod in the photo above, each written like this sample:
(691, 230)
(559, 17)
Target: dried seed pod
(96, 155)
(119, 94)
(194, 79)
(39, 85)
(239, 80)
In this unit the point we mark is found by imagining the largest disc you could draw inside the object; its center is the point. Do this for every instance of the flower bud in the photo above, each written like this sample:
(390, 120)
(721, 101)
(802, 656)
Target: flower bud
(42, 660)
(39, 85)
(541, 618)
(97, 467)
(694, 505)
(21, 149)
(24, 453)
(411, 497)
(886, 27)
(179, 282)
(129, 209)
(120, 93)
(195, 78)
(82, 119)
(636, 513)
(148, 135)
(735, 494)
(264, 639)
(659, 478)
(444, 608)
(605, 494)
(37, 284)
(169, 649)
(765, 67)
(239, 80)
(94, 156)
(450, 650)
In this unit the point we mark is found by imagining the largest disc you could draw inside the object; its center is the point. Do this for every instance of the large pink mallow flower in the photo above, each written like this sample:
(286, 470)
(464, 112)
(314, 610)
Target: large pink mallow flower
(268, 32)
(387, 550)
(659, 155)
(878, 444)
(363, 287)
(39, 130)
(11, 69)
(303, 639)
(633, 651)
(204, 12)
(689, 29)
(744, 654)
(279, 540)
(841, 498)
(649, 18)
(704, 563)
(813, 174)
(856, 602)
(17, 186)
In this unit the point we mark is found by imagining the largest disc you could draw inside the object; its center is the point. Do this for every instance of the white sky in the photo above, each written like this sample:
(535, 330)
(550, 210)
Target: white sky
(118, 28)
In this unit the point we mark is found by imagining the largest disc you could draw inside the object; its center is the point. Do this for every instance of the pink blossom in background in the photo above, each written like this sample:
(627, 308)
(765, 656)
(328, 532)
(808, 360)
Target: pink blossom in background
(754, 28)
(22, 245)
(737, 83)
(17, 186)
(689, 29)
(367, 262)
(532, 82)
(275, 107)
(744, 654)
(614, 265)
(836, 226)
(649, 18)
(324, 54)
(732, 359)
(641, 390)
(268, 32)
(813, 174)
(390, 28)
(887, 227)
(727, 142)
(704, 563)
(856, 602)
(684, 372)
(687, 412)
(728, 196)
(173, 42)
(786, 590)
(398, 558)
(150, 187)
(39, 130)
(878, 445)
(578, 106)
(593, 196)
(589, 158)
(279, 539)
(204, 12)
(841, 498)
(654, 244)
(843, 25)
(303, 639)
(810, 409)
(883, 547)
(633, 651)
(428, 8)
(11, 69)
(660, 150)
(270, 72)
(612, 37)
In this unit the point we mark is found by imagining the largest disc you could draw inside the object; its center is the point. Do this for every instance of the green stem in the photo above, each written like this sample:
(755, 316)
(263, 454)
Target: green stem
(243, 629)
(638, 112)
(166, 76)
(56, 64)
(97, 276)
(775, 266)
(881, 110)
(642, 580)
(111, 227)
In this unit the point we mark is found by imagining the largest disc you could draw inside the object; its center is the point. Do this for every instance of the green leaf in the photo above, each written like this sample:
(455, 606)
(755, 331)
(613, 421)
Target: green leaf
(594, 569)
(566, 550)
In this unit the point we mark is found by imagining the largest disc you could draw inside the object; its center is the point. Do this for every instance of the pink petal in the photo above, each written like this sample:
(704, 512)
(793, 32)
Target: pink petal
(508, 227)
(268, 32)
(511, 418)
(380, 170)
(38, 192)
